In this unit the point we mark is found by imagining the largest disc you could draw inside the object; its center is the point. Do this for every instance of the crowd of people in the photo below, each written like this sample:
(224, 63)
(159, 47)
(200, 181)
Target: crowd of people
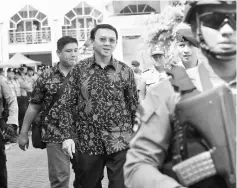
(100, 112)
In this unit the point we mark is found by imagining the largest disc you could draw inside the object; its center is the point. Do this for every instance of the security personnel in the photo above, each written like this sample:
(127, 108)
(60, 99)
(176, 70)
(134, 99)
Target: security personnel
(214, 25)
(187, 46)
(8, 128)
(154, 74)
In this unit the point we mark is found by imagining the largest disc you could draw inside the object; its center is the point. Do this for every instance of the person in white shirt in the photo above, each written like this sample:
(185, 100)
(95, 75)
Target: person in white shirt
(154, 74)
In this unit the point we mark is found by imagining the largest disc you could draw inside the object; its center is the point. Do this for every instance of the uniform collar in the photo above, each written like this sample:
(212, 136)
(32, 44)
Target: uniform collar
(212, 74)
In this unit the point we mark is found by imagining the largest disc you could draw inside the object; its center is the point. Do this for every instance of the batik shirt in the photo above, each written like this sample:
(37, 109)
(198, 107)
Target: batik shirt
(106, 101)
(45, 89)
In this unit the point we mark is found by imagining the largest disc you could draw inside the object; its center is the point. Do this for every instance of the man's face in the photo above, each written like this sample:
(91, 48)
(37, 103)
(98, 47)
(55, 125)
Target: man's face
(10, 75)
(218, 27)
(16, 76)
(24, 70)
(39, 72)
(105, 42)
(136, 69)
(68, 55)
(187, 52)
(30, 72)
(158, 60)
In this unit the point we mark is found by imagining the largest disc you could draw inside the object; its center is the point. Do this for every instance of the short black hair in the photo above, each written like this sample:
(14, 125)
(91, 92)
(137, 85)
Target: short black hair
(30, 69)
(16, 71)
(64, 41)
(10, 70)
(102, 26)
(135, 63)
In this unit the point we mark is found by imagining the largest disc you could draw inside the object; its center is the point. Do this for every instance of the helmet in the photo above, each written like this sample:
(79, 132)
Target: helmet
(193, 5)
(190, 17)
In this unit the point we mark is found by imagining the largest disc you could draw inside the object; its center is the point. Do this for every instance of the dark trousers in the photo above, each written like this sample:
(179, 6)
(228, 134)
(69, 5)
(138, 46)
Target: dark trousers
(22, 105)
(3, 165)
(89, 169)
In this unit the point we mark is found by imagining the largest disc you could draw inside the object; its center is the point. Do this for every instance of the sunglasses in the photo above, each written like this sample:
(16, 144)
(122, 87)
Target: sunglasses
(216, 20)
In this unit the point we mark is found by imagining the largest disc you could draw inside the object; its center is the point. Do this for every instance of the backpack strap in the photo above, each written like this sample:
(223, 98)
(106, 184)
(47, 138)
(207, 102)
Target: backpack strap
(58, 94)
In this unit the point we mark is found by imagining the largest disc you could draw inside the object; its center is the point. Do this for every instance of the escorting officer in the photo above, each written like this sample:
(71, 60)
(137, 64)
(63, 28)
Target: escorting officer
(187, 46)
(8, 129)
(160, 148)
(154, 74)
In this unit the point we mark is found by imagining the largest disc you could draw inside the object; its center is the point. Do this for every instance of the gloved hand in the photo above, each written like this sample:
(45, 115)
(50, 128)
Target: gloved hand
(69, 147)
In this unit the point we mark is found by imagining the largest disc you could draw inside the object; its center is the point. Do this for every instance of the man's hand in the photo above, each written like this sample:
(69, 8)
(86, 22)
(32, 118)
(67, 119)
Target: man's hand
(23, 141)
(69, 147)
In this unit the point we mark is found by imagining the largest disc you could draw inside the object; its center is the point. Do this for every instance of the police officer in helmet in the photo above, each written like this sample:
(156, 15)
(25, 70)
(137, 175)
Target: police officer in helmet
(213, 23)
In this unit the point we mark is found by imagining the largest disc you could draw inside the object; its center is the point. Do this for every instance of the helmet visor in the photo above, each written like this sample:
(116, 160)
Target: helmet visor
(215, 20)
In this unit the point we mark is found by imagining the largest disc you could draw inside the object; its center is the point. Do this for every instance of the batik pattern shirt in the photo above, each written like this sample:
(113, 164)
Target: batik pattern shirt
(106, 100)
(46, 87)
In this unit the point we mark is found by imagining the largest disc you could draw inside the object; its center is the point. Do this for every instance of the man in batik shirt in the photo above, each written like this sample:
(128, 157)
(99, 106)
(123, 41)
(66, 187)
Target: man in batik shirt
(46, 88)
(100, 100)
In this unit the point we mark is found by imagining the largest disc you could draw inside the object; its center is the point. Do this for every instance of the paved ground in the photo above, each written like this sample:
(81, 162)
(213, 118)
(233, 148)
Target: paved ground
(29, 169)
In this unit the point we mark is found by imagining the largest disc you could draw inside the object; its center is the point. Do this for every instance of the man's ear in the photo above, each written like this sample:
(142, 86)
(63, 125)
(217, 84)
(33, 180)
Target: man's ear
(58, 52)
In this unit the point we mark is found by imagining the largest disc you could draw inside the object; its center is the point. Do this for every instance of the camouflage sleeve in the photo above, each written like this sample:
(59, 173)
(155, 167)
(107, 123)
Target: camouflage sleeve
(149, 146)
(12, 103)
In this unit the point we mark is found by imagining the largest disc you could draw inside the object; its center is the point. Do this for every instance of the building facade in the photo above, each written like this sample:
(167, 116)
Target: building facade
(32, 27)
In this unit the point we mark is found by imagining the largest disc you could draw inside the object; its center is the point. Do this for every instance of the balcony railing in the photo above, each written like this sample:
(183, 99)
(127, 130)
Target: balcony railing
(79, 34)
(30, 37)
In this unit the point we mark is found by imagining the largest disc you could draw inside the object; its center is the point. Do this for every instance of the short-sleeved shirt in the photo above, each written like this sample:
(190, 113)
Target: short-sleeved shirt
(45, 89)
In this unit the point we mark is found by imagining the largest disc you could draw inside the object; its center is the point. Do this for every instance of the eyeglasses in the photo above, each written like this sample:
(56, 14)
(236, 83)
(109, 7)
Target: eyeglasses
(104, 40)
(215, 20)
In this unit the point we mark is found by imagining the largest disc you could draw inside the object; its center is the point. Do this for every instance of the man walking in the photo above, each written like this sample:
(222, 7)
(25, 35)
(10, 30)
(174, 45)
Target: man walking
(45, 90)
(103, 91)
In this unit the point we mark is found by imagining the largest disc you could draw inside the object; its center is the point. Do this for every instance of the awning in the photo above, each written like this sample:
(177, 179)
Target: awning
(19, 59)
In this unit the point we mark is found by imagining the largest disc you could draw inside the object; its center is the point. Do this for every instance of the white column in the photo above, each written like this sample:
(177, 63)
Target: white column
(1, 47)
(4, 41)
(56, 33)
(118, 52)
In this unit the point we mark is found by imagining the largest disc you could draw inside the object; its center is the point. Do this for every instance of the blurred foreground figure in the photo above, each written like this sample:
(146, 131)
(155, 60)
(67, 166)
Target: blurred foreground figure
(188, 138)
(8, 124)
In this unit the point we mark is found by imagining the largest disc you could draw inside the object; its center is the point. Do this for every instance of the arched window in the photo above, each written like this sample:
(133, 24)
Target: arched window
(137, 9)
(80, 20)
(29, 25)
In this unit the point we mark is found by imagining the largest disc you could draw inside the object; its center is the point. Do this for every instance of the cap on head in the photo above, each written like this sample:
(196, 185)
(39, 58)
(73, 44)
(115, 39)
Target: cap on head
(30, 69)
(184, 33)
(16, 71)
(135, 63)
(10, 70)
(156, 50)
